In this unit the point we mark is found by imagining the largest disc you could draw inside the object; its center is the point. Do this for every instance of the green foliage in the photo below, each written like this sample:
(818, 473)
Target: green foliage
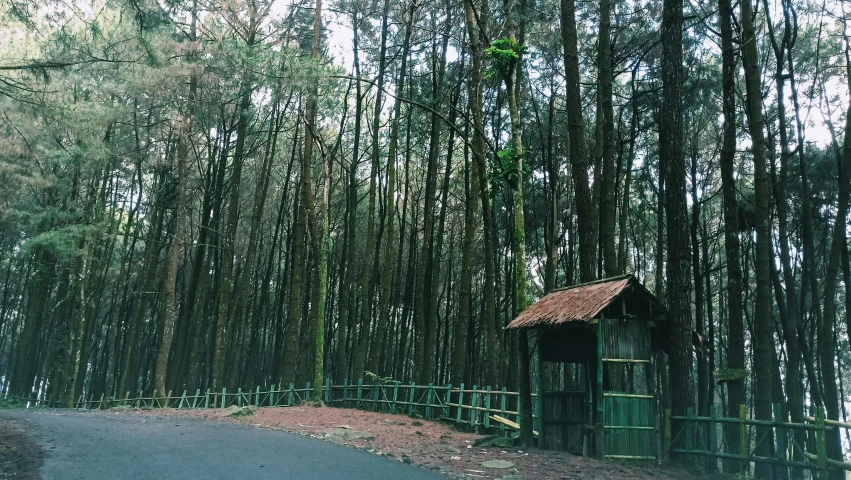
(7, 403)
(506, 169)
(504, 53)
(372, 377)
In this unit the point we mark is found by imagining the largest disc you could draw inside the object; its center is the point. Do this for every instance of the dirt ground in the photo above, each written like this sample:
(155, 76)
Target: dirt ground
(434, 446)
(19, 457)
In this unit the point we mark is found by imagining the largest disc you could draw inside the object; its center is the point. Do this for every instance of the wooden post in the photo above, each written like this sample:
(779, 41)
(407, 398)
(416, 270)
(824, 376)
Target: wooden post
(224, 398)
(429, 395)
(126, 398)
(460, 404)
(821, 446)
(197, 398)
(713, 439)
(473, 402)
(290, 394)
(780, 448)
(599, 430)
(488, 410)
(272, 402)
(239, 397)
(743, 439)
(360, 391)
(690, 429)
(395, 396)
(207, 399)
(100, 403)
(540, 396)
(411, 399)
(446, 412)
(182, 399)
(328, 395)
(502, 412)
(376, 391)
(667, 454)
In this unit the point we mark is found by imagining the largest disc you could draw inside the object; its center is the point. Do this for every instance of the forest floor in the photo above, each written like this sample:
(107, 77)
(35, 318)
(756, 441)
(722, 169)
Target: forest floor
(19, 457)
(432, 445)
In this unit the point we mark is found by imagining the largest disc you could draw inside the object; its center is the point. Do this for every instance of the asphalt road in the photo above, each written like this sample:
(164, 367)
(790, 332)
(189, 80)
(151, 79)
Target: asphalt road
(107, 445)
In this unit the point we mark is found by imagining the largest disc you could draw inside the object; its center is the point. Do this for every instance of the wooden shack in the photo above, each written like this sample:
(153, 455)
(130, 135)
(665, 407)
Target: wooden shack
(597, 392)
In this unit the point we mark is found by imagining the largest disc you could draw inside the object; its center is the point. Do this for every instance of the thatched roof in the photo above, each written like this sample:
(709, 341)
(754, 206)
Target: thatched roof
(582, 303)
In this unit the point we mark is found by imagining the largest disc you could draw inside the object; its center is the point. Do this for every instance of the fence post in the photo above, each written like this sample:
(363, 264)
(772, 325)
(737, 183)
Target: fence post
(290, 394)
(345, 392)
(328, 395)
(224, 398)
(307, 393)
(411, 399)
(473, 407)
(780, 448)
(360, 392)
(713, 440)
(667, 453)
(272, 402)
(502, 411)
(376, 389)
(743, 438)
(395, 396)
(448, 395)
(488, 409)
(689, 430)
(182, 398)
(821, 446)
(460, 404)
(429, 395)
(239, 397)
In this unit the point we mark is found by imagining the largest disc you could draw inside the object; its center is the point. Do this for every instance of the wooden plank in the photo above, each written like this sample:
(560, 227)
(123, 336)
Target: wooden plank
(628, 395)
(509, 423)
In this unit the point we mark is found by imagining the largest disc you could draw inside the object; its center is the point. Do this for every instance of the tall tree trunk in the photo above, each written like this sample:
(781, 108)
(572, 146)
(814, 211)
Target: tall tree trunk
(605, 138)
(735, 357)
(827, 327)
(223, 333)
(317, 220)
(578, 157)
(384, 311)
(764, 338)
(672, 163)
(178, 240)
